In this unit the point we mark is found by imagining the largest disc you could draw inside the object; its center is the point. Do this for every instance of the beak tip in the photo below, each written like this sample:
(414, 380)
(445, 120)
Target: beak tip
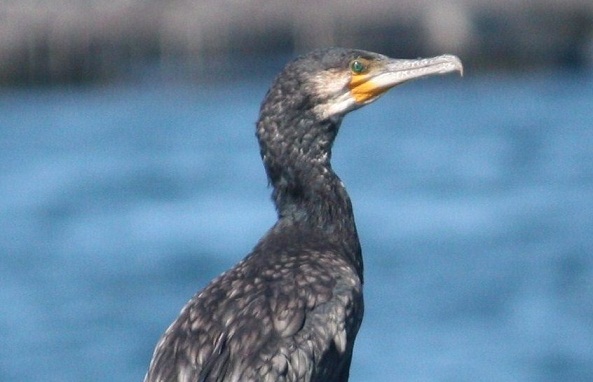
(455, 62)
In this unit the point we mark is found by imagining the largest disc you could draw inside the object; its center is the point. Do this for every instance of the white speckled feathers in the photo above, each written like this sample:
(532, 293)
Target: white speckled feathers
(279, 325)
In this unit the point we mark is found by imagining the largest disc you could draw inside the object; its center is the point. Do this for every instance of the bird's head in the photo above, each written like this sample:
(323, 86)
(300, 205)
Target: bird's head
(301, 113)
(332, 82)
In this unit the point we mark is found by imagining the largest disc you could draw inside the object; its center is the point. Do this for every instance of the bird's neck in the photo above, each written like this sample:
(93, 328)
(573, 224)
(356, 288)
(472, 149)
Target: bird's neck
(316, 202)
(307, 193)
(313, 193)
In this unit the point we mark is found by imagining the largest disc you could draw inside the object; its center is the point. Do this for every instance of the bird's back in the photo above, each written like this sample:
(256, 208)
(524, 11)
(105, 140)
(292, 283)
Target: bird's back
(288, 312)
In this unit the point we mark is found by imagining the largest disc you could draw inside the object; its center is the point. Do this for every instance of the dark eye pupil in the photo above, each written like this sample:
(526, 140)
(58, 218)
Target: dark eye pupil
(357, 66)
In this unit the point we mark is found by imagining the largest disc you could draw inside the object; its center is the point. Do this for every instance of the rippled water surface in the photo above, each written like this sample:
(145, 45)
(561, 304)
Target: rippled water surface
(473, 198)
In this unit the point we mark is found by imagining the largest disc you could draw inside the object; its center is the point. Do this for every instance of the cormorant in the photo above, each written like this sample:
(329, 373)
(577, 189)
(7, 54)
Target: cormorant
(291, 309)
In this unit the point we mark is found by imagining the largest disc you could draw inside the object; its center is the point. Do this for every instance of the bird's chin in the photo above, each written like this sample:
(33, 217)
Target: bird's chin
(337, 107)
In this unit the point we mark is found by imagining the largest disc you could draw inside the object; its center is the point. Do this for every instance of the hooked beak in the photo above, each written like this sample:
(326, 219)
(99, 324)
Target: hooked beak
(383, 75)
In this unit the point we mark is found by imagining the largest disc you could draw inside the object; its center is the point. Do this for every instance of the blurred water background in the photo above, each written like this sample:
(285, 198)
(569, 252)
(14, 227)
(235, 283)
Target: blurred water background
(124, 191)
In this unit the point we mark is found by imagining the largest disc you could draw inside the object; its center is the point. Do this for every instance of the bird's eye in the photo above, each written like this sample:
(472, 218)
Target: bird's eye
(358, 66)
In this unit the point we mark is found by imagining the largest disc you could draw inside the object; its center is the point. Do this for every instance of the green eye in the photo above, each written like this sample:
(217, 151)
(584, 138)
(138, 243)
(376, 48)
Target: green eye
(357, 66)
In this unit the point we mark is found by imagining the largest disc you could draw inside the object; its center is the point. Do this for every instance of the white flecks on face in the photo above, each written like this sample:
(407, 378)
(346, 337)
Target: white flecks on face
(335, 98)
(338, 106)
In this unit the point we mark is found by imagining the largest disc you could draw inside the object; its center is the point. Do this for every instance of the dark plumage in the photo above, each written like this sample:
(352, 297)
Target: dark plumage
(290, 310)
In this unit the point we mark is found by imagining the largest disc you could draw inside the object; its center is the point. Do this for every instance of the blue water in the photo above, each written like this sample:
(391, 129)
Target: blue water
(473, 198)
